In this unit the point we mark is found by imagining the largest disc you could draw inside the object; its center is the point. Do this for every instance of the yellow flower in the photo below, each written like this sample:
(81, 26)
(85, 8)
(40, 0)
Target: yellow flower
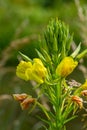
(39, 72)
(28, 71)
(66, 66)
(37, 60)
(22, 68)
(39, 69)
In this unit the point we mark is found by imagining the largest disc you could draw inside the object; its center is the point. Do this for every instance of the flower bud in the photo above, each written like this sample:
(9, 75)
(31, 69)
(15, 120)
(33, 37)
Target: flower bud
(66, 66)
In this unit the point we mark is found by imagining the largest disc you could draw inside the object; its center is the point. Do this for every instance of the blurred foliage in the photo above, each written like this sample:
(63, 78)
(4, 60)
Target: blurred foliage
(21, 24)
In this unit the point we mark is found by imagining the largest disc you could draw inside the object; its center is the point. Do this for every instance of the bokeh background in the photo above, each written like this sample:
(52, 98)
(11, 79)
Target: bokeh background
(22, 23)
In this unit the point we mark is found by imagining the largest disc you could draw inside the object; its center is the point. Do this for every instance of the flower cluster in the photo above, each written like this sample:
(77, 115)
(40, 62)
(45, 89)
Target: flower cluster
(32, 71)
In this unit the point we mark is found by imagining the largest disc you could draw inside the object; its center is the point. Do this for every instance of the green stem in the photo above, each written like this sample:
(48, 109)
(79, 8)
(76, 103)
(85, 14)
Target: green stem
(44, 110)
(58, 106)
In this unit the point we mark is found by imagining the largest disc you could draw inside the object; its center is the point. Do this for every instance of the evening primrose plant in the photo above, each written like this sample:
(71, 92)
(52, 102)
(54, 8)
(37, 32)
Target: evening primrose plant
(50, 71)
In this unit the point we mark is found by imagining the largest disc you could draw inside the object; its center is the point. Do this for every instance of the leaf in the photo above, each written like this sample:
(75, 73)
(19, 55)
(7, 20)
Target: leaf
(26, 58)
(69, 119)
(75, 53)
(40, 55)
(46, 55)
(43, 109)
(82, 54)
(33, 107)
(47, 122)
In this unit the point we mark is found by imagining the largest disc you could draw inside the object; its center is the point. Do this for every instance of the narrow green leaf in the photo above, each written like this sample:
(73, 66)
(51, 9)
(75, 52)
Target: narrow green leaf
(26, 58)
(55, 45)
(40, 55)
(70, 39)
(33, 107)
(46, 55)
(81, 55)
(75, 53)
(69, 119)
(47, 122)
(43, 109)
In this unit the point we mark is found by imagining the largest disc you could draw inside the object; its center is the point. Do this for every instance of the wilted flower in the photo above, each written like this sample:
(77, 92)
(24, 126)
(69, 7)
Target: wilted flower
(29, 71)
(77, 100)
(84, 93)
(66, 66)
(26, 103)
(20, 97)
(24, 99)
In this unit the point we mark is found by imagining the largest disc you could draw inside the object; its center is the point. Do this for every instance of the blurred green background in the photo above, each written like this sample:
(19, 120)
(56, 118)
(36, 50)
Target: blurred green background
(22, 22)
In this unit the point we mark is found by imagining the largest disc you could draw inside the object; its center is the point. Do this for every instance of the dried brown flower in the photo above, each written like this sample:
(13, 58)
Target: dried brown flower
(78, 101)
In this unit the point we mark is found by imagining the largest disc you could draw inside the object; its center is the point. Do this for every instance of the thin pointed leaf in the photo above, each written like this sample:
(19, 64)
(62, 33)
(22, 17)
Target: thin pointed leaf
(70, 119)
(26, 58)
(43, 109)
(47, 122)
(75, 53)
(33, 107)
(81, 55)
(47, 57)
(40, 55)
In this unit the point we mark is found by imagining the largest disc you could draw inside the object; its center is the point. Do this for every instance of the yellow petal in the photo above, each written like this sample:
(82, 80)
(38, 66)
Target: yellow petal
(66, 66)
(39, 71)
(21, 69)
(38, 61)
(29, 71)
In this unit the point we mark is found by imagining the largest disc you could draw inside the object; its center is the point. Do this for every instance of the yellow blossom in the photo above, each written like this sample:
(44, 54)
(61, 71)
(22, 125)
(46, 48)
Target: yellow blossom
(39, 72)
(66, 66)
(32, 71)
(21, 70)
(39, 69)
(38, 61)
